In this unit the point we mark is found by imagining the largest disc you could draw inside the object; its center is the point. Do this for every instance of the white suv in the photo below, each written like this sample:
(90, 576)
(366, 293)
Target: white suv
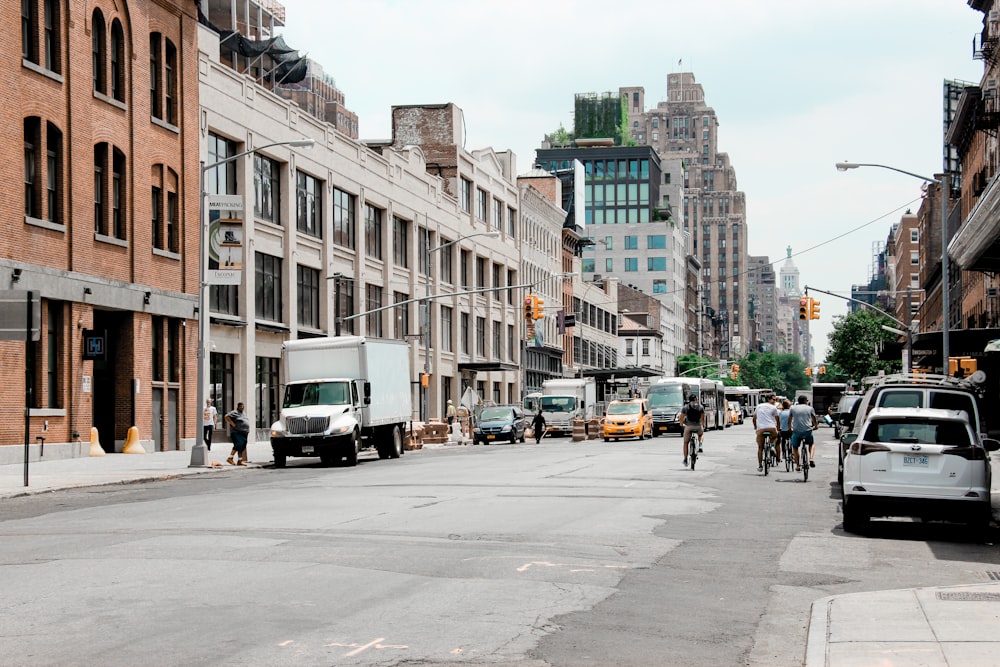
(921, 462)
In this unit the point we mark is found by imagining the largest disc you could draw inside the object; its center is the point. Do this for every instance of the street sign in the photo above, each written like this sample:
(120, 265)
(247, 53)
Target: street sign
(223, 202)
(14, 315)
(95, 345)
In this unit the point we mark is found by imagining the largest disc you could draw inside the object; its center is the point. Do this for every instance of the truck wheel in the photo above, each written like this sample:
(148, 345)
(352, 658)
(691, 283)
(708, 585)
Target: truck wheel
(279, 459)
(395, 442)
(351, 450)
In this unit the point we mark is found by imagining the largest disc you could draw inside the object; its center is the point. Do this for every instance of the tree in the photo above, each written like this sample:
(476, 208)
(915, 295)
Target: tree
(693, 365)
(856, 341)
(784, 373)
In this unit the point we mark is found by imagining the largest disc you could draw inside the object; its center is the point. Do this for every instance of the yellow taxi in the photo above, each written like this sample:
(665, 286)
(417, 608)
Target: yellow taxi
(735, 413)
(628, 419)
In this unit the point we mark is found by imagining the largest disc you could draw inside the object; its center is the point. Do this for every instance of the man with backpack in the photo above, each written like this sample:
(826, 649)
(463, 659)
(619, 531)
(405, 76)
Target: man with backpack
(694, 423)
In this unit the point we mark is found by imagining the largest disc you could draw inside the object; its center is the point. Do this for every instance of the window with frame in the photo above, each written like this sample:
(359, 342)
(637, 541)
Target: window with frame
(481, 206)
(155, 74)
(307, 288)
(497, 349)
(447, 318)
(401, 316)
(497, 282)
(98, 51)
(631, 264)
(511, 222)
(659, 286)
(656, 263)
(645, 347)
(29, 30)
(481, 336)
(309, 204)
(221, 180)
(447, 252)
(400, 242)
(511, 344)
(498, 215)
(914, 257)
(609, 264)
(511, 280)
(266, 189)
(480, 272)
(463, 332)
(423, 252)
(117, 61)
(656, 242)
(267, 292)
(343, 218)
(268, 388)
(631, 242)
(32, 151)
(465, 259)
(164, 201)
(373, 321)
(51, 24)
(587, 265)
(465, 194)
(118, 194)
(373, 231)
(914, 236)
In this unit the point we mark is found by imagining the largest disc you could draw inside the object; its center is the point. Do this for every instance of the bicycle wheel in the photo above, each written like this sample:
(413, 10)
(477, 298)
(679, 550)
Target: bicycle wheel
(767, 454)
(693, 456)
(786, 452)
(804, 459)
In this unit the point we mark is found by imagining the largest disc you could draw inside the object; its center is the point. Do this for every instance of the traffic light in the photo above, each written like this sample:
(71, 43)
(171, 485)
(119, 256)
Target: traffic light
(529, 306)
(813, 309)
(538, 311)
(809, 370)
(734, 371)
(822, 370)
(804, 308)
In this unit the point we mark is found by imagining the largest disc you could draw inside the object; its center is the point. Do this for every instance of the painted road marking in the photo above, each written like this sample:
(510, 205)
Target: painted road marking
(545, 563)
(358, 648)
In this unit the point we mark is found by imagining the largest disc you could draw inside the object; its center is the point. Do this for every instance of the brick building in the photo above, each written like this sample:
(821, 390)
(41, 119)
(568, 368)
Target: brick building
(105, 228)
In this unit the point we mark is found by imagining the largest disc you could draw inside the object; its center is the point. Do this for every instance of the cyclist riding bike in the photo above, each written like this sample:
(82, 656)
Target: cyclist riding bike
(784, 430)
(694, 424)
(803, 421)
(765, 421)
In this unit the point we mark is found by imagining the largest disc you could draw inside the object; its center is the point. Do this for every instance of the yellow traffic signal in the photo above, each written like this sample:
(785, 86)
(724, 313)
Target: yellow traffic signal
(813, 309)
(803, 308)
(538, 312)
(809, 370)
(529, 306)
(734, 371)
(822, 370)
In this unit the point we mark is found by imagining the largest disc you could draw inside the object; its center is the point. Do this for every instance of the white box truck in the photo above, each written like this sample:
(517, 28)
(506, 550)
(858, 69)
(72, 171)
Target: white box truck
(564, 400)
(342, 395)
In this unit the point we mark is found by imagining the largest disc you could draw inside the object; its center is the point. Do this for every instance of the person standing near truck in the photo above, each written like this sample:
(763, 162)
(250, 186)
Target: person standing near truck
(538, 426)
(239, 430)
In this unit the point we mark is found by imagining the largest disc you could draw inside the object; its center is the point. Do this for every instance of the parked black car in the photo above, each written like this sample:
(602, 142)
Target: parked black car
(500, 422)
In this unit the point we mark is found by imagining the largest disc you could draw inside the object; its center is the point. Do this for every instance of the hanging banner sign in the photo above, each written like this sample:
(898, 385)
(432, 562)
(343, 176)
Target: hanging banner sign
(223, 202)
(225, 252)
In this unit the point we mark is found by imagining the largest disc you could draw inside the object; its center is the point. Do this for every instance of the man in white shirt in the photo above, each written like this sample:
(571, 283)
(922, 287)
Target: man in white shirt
(765, 420)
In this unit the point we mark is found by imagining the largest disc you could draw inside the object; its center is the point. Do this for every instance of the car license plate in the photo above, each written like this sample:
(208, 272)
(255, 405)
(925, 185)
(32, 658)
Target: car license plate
(915, 461)
(620, 430)
(307, 449)
(491, 437)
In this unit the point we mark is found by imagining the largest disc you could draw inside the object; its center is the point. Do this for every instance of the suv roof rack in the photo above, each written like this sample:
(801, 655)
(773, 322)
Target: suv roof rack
(974, 382)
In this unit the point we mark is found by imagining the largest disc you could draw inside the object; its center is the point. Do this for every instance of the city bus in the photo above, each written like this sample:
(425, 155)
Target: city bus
(713, 399)
(666, 397)
(748, 398)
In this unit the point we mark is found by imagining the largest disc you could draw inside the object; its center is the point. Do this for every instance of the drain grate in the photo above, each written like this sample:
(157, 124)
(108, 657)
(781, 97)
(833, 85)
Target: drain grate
(969, 597)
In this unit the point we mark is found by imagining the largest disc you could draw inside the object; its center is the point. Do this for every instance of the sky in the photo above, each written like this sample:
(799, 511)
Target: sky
(797, 86)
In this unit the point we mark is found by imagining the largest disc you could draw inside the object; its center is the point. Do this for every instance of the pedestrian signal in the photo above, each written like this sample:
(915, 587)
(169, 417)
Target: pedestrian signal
(803, 308)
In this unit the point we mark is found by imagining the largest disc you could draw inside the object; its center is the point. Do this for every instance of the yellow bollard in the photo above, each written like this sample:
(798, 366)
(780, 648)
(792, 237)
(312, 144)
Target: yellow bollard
(95, 443)
(132, 445)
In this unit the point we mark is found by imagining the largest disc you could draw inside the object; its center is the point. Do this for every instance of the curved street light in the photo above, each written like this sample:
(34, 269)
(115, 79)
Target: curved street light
(943, 183)
(199, 452)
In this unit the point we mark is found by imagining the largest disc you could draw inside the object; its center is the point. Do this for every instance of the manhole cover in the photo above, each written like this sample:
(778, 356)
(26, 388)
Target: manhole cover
(969, 597)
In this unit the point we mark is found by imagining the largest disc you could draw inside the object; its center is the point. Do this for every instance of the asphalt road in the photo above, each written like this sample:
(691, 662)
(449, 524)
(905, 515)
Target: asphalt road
(561, 554)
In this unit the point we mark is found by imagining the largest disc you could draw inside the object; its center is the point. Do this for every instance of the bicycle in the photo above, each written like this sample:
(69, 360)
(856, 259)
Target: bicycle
(768, 455)
(804, 458)
(691, 448)
(786, 452)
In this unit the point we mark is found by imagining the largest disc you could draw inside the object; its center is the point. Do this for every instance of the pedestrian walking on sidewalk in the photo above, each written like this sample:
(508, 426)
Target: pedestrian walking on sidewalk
(239, 429)
(208, 419)
(451, 411)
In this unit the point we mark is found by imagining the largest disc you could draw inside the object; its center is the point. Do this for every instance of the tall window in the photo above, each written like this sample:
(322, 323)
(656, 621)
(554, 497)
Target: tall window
(463, 333)
(173, 237)
(155, 74)
(170, 83)
(32, 150)
(401, 315)
(480, 272)
(481, 206)
(268, 391)
(464, 194)
(163, 212)
(498, 215)
(400, 242)
(309, 205)
(511, 222)
(481, 336)
(511, 344)
(53, 353)
(267, 274)
(118, 194)
(465, 259)
(117, 61)
(343, 219)
(447, 253)
(221, 180)
(423, 250)
(29, 30)
(447, 317)
(631, 264)
(497, 347)
(52, 41)
(266, 189)
(156, 204)
(497, 282)
(99, 51)
(373, 321)
(100, 187)
(373, 231)
(307, 286)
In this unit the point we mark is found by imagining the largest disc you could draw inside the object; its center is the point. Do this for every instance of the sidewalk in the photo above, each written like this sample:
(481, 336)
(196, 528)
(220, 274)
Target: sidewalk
(45, 476)
(932, 627)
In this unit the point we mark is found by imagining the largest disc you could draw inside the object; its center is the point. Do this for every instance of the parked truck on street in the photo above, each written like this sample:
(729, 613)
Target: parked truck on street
(342, 395)
(564, 400)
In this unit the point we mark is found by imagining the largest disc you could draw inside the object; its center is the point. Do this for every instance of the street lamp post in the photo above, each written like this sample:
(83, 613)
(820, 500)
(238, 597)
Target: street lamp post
(943, 183)
(199, 452)
(424, 389)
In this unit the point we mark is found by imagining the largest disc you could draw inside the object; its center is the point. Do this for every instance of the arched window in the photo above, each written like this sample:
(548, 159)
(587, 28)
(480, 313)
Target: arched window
(117, 61)
(32, 171)
(53, 173)
(155, 75)
(170, 83)
(118, 194)
(99, 51)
